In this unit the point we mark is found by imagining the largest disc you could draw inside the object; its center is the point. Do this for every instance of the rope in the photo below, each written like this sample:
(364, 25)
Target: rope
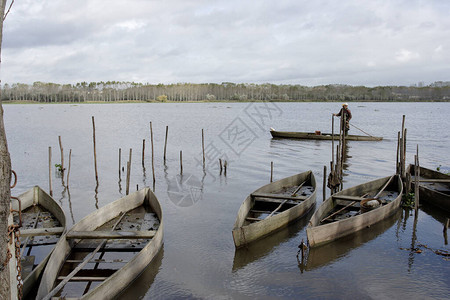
(360, 129)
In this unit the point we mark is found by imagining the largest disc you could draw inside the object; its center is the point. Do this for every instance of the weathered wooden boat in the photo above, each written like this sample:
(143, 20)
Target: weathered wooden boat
(320, 136)
(434, 187)
(261, 248)
(327, 253)
(274, 206)
(354, 208)
(43, 222)
(118, 241)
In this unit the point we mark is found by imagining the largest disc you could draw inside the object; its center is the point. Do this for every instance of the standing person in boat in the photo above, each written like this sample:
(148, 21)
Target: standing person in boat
(348, 115)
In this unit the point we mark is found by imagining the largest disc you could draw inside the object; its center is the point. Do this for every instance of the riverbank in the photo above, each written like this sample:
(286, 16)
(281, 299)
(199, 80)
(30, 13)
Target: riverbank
(216, 101)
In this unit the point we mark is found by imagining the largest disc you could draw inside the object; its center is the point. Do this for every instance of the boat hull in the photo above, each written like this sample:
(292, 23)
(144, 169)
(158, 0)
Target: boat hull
(436, 193)
(120, 279)
(321, 136)
(33, 198)
(246, 233)
(320, 234)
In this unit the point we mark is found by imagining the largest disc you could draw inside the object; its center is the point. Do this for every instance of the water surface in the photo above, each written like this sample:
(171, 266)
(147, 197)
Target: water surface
(199, 259)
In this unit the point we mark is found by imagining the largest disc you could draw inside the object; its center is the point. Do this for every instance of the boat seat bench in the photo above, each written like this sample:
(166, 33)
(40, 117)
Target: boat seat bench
(148, 234)
(41, 231)
(277, 196)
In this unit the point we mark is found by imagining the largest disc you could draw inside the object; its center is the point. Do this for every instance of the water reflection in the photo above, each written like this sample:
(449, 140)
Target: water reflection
(439, 215)
(328, 253)
(263, 247)
(139, 287)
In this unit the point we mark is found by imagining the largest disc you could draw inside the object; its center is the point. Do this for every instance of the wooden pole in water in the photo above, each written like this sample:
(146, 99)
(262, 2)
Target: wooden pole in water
(62, 158)
(95, 150)
(332, 137)
(220, 165)
(165, 143)
(402, 150)
(416, 185)
(50, 170)
(128, 172)
(324, 182)
(271, 171)
(68, 170)
(143, 152)
(120, 161)
(181, 162)
(447, 223)
(203, 147)
(397, 167)
(153, 156)
(225, 164)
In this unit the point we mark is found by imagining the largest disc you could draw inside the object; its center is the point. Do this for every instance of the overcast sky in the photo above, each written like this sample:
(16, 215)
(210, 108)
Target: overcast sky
(356, 42)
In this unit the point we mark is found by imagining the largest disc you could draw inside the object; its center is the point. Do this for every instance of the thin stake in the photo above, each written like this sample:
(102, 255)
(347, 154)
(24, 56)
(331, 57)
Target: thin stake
(128, 172)
(445, 230)
(153, 156)
(120, 161)
(324, 182)
(332, 137)
(225, 168)
(143, 152)
(417, 173)
(50, 170)
(271, 171)
(398, 155)
(62, 158)
(181, 162)
(220, 165)
(68, 171)
(165, 143)
(95, 150)
(203, 147)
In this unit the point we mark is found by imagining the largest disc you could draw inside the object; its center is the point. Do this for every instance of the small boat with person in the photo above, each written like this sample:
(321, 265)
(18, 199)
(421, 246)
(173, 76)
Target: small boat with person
(106, 250)
(274, 206)
(318, 135)
(434, 186)
(42, 223)
(355, 208)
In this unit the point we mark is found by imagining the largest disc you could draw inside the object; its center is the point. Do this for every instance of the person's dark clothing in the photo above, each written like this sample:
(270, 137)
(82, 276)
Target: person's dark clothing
(348, 116)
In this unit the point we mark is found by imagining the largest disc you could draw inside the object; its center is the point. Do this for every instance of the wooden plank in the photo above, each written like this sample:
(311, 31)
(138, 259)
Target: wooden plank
(260, 211)
(276, 209)
(435, 180)
(148, 234)
(96, 261)
(335, 213)
(83, 278)
(298, 189)
(253, 219)
(277, 196)
(41, 231)
(349, 198)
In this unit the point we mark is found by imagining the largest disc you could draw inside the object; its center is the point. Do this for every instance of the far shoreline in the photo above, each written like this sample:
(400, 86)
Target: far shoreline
(214, 101)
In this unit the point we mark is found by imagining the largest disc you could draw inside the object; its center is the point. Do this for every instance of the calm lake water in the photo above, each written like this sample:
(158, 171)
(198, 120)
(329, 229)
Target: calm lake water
(199, 259)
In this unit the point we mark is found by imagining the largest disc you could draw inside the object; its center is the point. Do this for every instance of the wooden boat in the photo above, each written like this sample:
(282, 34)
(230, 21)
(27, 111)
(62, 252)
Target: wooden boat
(274, 206)
(43, 222)
(354, 208)
(320, 136)
(118, 241)
(330, 252)
(434, 187)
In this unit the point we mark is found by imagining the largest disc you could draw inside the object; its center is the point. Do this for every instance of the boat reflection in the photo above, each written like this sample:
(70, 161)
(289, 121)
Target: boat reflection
(139, 287)
(326, 254)
(264, 246)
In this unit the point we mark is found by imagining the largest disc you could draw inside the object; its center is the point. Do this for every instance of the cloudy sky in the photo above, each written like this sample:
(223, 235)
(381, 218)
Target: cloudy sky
(356, 42)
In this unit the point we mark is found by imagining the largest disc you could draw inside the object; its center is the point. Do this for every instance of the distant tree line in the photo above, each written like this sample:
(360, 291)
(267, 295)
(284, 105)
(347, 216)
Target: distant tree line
(111, 91)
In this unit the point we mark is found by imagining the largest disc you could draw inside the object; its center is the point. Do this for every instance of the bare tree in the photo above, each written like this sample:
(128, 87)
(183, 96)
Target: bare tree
(5, 191)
